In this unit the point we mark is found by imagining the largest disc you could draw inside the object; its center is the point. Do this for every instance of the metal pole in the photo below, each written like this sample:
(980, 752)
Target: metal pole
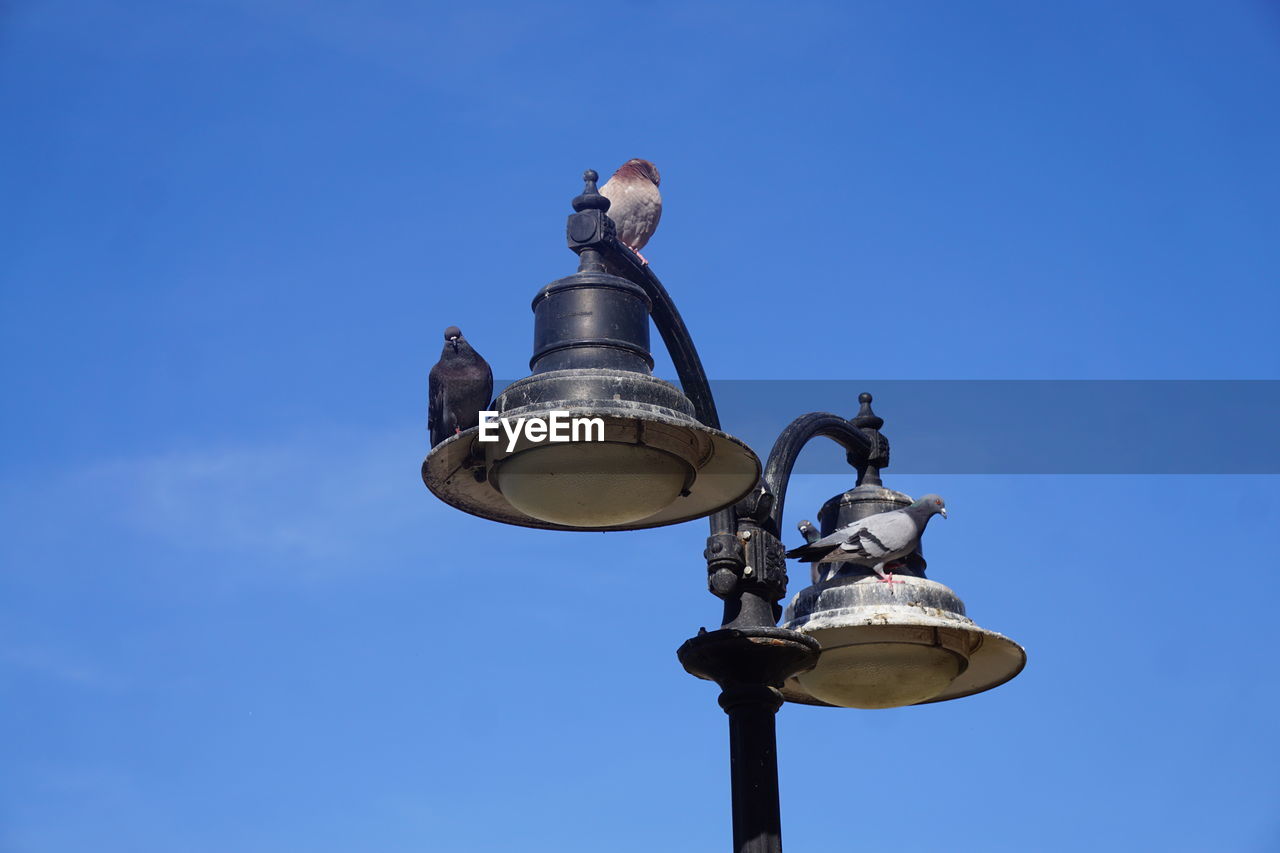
(753, 763)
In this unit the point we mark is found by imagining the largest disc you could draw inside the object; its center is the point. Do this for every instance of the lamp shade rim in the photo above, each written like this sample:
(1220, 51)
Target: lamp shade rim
(839, 613)
(457, 472)
(996, 661)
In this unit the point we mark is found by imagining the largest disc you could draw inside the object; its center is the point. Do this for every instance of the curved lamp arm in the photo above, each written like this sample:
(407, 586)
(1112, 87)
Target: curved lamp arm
(675, 335)
(777, 471)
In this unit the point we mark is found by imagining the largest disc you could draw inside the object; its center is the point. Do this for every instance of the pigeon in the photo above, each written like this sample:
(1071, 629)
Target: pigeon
(876, 540)
(635, 205)
(461, 385)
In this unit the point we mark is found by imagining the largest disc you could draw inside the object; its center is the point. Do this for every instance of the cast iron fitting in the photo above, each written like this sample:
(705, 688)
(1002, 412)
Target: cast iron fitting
(724, 563)
(591, 319)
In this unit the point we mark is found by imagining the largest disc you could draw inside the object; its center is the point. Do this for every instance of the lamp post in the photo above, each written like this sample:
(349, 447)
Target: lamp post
(663, 459)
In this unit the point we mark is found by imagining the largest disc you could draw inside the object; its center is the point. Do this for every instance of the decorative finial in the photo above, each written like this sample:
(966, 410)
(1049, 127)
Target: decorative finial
(590, 198)
(867, 419)
(869, 422)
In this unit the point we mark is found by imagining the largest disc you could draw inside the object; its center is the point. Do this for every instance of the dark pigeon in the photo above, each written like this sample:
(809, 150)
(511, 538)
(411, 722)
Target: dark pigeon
(876, 540)
(808, 531)
(461, 386)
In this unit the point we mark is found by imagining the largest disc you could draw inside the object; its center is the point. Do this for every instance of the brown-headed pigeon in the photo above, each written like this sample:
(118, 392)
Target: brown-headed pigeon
(876, 540)
(635, 205)
(461, 385)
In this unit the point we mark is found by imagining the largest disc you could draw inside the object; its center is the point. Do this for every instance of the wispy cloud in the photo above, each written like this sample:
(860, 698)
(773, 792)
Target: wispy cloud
(308, 498)
(52, 664)
(313, 496)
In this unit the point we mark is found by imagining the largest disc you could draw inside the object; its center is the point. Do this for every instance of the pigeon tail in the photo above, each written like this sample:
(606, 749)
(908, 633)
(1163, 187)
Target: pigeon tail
(808, 553)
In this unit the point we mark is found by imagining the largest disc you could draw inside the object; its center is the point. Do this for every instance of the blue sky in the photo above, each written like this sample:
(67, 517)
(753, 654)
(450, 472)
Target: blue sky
(232, 618)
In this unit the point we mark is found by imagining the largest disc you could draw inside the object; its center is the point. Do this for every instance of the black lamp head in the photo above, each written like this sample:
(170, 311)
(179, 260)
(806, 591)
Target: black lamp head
(631, 452)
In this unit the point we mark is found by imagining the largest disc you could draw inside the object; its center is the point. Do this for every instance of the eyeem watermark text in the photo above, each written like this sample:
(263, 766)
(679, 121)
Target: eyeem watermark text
(557, 426)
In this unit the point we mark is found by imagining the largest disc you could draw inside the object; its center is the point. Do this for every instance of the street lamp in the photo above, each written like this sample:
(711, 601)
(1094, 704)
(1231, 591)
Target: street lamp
(661, 458)
(888, 645)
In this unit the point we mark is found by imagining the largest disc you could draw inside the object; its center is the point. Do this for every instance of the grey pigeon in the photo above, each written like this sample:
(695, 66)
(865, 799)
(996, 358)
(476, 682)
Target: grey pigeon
(635, 205)
(876, 540)
(461, 385)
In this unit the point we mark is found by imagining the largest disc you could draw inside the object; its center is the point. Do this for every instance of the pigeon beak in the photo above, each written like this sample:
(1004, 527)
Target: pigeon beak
(943, 512)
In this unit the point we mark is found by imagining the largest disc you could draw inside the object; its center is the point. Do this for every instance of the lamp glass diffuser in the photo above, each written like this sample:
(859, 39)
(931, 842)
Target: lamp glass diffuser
(880, 675)
(591, 484)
